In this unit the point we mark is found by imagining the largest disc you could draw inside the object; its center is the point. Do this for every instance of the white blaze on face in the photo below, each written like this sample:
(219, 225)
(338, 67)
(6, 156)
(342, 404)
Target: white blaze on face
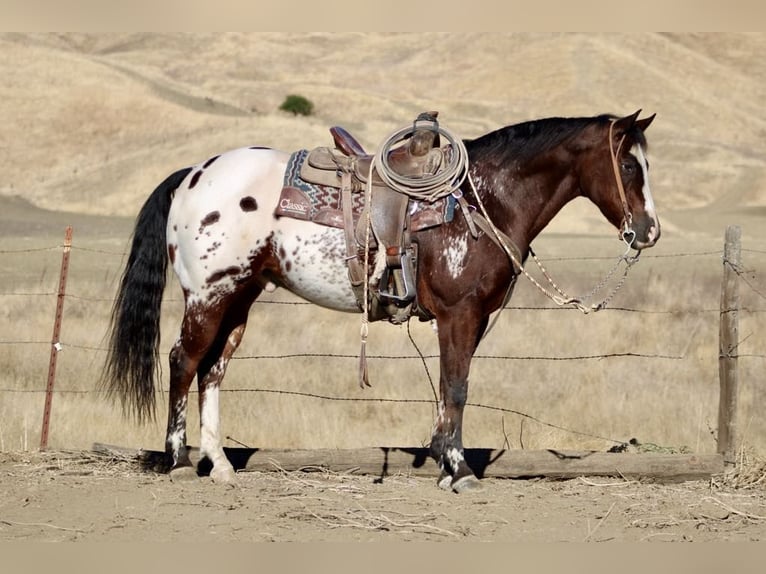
(638, 152)
(455, 253)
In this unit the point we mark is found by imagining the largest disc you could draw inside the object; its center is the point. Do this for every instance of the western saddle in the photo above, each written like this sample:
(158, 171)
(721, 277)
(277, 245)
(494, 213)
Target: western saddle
(348, 167)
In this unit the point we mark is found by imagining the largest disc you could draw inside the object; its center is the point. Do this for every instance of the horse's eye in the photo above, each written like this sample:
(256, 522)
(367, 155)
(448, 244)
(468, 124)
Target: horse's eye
(628, 167)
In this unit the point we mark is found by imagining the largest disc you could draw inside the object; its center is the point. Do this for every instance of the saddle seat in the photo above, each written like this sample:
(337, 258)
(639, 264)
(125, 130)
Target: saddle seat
(406, 160)
(346, 143)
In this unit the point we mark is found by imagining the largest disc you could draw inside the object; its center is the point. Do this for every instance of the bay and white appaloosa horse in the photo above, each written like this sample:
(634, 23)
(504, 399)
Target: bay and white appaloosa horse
(215, 223)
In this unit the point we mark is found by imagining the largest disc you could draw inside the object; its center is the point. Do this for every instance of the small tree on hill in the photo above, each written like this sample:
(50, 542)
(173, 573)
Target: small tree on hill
(297, 105)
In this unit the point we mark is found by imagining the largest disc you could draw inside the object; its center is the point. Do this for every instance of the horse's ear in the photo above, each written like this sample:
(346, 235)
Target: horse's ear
(644, 123)
(625, 124)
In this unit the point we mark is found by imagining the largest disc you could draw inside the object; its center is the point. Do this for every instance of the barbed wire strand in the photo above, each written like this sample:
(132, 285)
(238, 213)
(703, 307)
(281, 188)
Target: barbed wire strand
(423, 361)
(318, 396)
(88, 298)
(30, 250)
(574, 258)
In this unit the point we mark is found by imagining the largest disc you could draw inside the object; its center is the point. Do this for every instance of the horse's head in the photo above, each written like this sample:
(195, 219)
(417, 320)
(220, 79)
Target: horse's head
(618, 180)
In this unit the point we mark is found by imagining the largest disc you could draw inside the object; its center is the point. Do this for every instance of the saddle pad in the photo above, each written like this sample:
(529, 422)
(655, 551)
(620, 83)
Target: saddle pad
(322, 204)
(309, 201)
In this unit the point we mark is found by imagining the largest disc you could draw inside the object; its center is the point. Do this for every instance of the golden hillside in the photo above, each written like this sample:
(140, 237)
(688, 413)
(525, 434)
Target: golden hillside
(91, 123)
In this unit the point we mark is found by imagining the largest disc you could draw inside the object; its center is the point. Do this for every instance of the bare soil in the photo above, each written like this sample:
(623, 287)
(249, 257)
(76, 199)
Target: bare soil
(82, 496)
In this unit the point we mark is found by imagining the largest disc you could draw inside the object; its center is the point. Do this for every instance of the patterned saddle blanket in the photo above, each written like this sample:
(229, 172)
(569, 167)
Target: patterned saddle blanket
(321, 203)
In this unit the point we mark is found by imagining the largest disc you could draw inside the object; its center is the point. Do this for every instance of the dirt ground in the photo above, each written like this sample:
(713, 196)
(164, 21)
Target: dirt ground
(82, 496)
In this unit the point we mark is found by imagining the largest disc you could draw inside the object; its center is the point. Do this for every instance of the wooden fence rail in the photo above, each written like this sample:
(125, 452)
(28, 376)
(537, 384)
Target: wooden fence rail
(485, 462)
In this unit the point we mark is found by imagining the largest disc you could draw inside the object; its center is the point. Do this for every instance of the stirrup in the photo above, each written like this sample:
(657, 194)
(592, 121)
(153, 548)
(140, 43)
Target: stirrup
(408, 278)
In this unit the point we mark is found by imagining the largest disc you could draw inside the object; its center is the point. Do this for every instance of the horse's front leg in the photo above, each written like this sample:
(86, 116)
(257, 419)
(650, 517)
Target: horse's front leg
(458, 338)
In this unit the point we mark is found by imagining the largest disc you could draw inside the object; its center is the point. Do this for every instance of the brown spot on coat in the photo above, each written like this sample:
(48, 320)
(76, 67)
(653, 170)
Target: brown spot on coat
(218, 275)
(209, 219)
(248, 204)
(210, 161)
(195, 178)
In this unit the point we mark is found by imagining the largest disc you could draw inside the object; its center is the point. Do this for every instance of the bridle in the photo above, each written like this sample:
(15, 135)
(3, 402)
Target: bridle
(626, 226)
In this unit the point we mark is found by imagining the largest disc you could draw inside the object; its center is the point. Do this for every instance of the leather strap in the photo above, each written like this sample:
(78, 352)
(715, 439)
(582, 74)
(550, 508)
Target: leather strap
(484, 225)
(355, 271)
(627, 216)
(466, 213)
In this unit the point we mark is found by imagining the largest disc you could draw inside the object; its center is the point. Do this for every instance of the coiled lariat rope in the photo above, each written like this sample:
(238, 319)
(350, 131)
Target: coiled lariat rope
(428, 187)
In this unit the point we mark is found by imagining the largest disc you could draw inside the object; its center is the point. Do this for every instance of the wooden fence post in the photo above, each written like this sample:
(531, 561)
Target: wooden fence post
(55, 344)
(727, 350)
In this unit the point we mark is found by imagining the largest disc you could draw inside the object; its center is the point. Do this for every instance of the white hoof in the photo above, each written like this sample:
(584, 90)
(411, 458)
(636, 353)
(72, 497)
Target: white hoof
(223, 475)
(183, 474)
(468, 483)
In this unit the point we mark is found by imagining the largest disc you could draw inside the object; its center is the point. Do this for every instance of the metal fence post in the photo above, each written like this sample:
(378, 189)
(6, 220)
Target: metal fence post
(55, 343)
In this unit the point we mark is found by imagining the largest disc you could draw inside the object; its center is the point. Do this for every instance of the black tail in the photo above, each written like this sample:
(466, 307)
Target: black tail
(131, 364)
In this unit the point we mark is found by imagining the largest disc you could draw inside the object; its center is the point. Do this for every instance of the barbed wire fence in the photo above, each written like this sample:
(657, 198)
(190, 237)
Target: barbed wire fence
(34, 266)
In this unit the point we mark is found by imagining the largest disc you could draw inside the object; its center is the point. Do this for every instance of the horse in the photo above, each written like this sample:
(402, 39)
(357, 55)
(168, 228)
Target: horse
(214, 223)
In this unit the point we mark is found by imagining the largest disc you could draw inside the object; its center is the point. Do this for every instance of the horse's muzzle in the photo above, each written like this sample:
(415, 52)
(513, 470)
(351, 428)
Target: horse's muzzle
(645, 236)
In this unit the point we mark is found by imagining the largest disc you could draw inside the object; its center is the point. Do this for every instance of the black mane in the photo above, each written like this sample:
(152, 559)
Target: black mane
(527, 140)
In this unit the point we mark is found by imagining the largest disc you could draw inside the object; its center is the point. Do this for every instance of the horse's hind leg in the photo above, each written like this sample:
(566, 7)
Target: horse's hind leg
(209, 379)
(198, 332)
(210, 374)
(182, 368)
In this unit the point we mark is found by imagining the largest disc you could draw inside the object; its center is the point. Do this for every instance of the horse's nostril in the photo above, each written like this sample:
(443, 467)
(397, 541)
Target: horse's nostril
(654, 234)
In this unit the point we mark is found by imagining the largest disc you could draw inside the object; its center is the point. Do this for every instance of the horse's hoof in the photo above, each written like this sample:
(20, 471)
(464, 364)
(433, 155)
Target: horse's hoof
(468, 483)
(183, 474)
(224, 476)
(444, 481)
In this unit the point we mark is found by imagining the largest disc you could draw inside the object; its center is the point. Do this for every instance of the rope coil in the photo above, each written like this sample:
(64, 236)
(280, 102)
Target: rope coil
(426, 187)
